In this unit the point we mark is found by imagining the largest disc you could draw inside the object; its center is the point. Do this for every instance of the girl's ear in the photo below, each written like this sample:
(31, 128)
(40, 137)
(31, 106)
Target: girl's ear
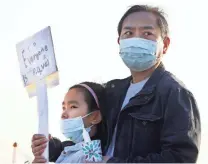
(96, 117)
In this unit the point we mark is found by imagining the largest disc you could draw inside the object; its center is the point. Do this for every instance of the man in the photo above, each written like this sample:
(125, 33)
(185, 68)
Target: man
(152, 117)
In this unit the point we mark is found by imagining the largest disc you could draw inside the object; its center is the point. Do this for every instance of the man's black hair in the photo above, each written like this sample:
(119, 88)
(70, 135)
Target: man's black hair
(161, 20)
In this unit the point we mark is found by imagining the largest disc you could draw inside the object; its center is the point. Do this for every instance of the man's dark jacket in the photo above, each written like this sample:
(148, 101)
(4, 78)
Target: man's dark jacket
(161, 124)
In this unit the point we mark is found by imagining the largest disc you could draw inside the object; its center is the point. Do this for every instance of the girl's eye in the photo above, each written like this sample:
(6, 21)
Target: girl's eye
(72, 107)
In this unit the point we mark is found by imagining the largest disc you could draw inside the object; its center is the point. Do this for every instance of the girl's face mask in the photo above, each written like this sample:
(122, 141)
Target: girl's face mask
(73, 128)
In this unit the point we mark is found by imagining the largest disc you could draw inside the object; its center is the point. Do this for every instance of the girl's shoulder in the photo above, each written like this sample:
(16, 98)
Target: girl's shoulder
(56, 147)
(67, 143)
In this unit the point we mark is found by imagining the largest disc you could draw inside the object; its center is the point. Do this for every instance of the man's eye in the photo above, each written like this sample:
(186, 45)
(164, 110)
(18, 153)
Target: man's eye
(128, 33)
(147, 33)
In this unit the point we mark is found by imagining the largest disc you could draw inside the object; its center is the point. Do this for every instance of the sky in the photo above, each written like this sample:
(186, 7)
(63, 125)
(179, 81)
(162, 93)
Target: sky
(85, 41)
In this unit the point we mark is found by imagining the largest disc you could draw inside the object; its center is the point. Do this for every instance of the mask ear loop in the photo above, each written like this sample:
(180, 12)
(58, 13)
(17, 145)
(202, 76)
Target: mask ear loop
(86, 135)
(88, 114)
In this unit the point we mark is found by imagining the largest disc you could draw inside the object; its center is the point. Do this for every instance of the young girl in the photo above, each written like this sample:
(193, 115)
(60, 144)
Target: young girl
(83, 106)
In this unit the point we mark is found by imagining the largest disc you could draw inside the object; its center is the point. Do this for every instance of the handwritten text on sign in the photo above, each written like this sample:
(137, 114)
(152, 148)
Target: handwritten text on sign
(36, 57)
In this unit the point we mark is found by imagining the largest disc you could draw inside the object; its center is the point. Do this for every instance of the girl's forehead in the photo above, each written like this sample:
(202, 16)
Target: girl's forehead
(74, 94)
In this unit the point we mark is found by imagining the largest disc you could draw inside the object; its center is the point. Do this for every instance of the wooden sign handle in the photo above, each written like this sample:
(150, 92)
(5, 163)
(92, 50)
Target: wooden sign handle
(42, 101)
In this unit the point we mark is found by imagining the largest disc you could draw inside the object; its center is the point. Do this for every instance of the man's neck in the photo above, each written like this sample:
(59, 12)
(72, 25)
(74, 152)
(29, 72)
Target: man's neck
(140, 76)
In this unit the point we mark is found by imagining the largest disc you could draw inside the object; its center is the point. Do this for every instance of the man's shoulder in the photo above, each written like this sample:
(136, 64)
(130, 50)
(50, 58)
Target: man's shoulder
(113, 82)
(171, 82)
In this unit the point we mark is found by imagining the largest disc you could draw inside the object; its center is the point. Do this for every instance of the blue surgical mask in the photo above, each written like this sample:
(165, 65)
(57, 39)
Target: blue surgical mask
(138, 54)
(73, 128)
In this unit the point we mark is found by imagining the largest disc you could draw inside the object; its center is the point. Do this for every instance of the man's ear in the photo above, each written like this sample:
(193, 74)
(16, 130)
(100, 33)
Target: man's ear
(96, 117)
(166, 42)
(118, 40)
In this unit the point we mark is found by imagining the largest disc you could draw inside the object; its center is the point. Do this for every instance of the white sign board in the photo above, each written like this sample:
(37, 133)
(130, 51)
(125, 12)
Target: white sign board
(36, 57)
(37, 62)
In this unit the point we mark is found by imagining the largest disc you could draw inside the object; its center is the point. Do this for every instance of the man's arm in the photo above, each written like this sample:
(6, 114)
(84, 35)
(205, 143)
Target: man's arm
(180, 134)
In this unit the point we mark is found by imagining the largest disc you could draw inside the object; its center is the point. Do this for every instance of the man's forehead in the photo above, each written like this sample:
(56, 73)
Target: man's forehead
(138, 19)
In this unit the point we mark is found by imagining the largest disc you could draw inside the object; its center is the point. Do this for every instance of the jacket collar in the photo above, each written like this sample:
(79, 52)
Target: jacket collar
(152, 82)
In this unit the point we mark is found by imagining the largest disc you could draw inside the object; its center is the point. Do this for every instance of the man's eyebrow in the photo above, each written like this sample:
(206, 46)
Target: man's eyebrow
(147, 27)
(142, 27)
(128, 27)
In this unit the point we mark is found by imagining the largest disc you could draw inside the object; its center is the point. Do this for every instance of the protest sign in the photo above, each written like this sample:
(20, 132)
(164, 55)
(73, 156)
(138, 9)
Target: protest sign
(38, 70)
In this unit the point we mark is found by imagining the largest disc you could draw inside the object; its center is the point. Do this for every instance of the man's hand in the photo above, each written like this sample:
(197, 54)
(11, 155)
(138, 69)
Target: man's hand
(39, 159)
(39, 143)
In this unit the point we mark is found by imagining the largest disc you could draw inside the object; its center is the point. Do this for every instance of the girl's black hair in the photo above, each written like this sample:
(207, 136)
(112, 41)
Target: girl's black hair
(92, 106)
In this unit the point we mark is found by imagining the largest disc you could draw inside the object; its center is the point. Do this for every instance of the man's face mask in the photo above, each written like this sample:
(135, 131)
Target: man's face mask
(138, 54)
